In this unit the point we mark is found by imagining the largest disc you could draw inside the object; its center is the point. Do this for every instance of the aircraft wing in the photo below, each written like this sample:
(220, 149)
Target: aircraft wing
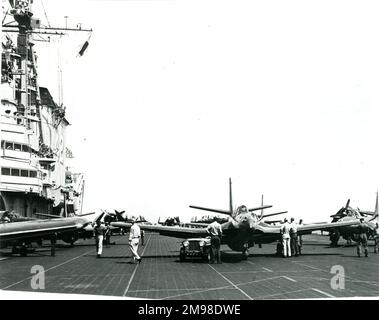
(308, 228)
(40, 228)
(198, 224)
(272, 221)
(171, 231)
(211, 210)
(263, 233)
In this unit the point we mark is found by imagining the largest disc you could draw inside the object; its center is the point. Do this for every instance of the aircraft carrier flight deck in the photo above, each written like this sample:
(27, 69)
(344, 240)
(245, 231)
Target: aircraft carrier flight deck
(161, 275)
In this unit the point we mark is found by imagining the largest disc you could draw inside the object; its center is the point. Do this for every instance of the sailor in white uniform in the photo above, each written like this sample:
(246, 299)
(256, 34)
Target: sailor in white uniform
(134, 236)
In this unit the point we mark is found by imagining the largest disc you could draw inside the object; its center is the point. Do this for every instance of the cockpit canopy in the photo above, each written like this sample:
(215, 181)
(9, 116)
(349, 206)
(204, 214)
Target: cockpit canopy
(242, 213)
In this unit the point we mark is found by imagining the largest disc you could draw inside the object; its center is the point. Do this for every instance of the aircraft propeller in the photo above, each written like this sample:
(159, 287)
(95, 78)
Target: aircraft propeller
(341, 212)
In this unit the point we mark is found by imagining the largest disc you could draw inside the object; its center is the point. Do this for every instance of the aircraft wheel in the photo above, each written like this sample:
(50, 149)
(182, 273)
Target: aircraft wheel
(245, 254)
(182, 256)
(207, 255)
(23, 251)
(334, 237)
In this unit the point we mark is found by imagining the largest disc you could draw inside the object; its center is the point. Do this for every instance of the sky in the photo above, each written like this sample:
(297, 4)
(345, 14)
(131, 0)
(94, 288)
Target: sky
(173, 97)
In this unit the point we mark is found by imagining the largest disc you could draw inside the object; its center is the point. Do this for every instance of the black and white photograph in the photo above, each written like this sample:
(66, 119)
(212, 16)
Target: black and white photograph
(210, 151)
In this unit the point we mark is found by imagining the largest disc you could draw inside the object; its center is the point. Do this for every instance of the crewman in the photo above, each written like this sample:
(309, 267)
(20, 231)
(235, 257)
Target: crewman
(300, 238)
(142, 238)
(98, 233)
(134, 236)
(293, 235)
(285, 232)
(6, 217)
(362, 237)
(376, 238)
(215, 230)
(107, 234)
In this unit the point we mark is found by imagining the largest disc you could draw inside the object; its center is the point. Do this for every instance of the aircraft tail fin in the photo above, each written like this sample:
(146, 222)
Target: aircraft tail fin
(376, 212)
(274, 214)
(227, 212)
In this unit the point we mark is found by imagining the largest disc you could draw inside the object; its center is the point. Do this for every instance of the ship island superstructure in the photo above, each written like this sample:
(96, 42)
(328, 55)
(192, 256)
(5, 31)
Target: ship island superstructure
(35, 177)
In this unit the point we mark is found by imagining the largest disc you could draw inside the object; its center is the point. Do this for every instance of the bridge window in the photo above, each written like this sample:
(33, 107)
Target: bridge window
(6, 171)
(15, 146)
(15, 172)
(19, 172)
(33, 174)
(24, 173)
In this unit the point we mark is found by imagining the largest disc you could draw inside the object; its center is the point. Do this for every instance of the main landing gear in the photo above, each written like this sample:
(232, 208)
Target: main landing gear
(53, 241)
(22, 250)
(334, 237)
(245, 253)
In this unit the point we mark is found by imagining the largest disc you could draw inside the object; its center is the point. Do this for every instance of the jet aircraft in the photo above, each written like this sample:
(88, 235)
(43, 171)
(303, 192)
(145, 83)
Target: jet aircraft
(243, 229)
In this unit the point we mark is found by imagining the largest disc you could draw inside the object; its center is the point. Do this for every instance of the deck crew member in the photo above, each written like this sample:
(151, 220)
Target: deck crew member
(142, 238)
(98, 233)
(285, 232)
(300, 238)
(294, 240)
(134, 236)
(362, 237)
(376, 238)
(214, 229)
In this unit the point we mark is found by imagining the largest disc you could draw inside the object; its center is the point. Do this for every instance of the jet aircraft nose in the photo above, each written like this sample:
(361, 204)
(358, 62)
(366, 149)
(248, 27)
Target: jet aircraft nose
(246, 222)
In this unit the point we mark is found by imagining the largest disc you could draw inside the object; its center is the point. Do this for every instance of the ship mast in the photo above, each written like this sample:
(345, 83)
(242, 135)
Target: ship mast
(25, 25)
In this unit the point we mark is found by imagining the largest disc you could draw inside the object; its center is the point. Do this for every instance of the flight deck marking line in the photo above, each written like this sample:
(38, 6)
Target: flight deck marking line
(256, 271)
(58, 265)
(219, 288)
(324, 293)
(135, 269)
(288, 278)
(318, 269)
(225, 278)
(254, 264)
(346, 277)
(309, 266)
(282, 293)
(194, 292)
(174, 289)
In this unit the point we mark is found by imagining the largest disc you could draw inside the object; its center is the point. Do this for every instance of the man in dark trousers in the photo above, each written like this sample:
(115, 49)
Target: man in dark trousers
(376, 238)
(294, 240)
(362, 238)
(300, 238)
(214, 229)
(142, 238)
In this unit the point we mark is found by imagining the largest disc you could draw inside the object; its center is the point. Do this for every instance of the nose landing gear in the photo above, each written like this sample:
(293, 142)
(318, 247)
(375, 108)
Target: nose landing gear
(245, 252)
